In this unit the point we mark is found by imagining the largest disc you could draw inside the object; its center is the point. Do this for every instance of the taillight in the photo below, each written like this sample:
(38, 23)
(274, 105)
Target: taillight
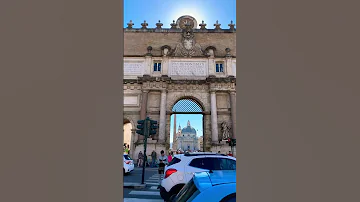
(170, 172)
(128, 162)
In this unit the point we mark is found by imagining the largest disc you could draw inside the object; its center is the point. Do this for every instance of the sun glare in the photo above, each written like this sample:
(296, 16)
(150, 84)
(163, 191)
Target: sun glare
(197, 14)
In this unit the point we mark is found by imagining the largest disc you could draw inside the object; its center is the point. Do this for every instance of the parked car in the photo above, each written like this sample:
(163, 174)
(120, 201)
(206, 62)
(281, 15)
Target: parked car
(212, 186)
(128, 164)
(183, 166)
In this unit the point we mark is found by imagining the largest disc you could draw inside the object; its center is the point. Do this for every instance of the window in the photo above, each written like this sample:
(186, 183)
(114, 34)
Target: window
(214, 163)
(202, 163)
(157, 66)
(174, 161)
(219, 67)
(127, 157)
(226, 164)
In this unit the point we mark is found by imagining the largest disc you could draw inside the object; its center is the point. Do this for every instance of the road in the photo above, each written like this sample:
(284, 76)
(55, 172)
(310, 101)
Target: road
(150, 193)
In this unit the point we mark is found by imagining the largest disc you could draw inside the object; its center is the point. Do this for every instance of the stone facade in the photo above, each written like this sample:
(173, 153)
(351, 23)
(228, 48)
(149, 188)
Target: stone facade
(163, 66)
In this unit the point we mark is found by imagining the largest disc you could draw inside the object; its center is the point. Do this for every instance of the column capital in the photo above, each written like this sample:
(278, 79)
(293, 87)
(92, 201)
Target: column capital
(212, 91)
(145, 91)
(164, 90)
(232, 92)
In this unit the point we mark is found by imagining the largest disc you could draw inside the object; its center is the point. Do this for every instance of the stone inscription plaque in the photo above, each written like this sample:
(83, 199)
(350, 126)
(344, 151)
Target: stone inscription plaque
(133, 68)
(131, 100)
(187, 68)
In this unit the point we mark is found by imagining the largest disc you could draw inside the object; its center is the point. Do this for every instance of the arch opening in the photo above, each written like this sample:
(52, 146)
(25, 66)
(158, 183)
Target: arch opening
(127, 127)
(187, 125)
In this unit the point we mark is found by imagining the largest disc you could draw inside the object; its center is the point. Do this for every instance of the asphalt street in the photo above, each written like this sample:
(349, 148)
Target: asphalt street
(148, 194)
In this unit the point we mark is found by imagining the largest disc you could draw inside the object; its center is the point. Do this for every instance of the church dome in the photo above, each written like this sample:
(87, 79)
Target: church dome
(188, 129)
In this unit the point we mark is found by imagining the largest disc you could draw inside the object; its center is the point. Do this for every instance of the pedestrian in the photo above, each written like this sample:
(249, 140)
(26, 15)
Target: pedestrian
(170, 157)
(127, 149)
(162, 163)
(218, 152)
(140, 159)
(153, 158)
(230, 154)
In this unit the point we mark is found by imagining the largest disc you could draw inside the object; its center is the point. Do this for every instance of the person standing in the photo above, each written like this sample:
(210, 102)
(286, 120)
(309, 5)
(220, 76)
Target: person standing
(163, 161)
(170, 157)
(153, 158)
(230, 154)
(140, 159)
(126, 149)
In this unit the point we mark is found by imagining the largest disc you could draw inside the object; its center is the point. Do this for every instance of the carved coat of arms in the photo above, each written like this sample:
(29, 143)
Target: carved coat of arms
(188, 47)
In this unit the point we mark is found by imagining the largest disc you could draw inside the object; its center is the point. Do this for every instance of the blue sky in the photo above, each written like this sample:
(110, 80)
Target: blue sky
(168, 10)
(182, 119)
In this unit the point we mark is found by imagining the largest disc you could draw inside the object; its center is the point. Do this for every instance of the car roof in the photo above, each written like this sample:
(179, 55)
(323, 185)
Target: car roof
(204, 180)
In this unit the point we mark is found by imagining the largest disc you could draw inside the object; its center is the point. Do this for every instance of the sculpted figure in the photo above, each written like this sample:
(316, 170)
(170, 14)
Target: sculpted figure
(225, 130)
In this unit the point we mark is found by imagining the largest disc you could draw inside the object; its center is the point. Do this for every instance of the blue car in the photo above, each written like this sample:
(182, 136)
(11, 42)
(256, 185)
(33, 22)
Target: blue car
(212, 186)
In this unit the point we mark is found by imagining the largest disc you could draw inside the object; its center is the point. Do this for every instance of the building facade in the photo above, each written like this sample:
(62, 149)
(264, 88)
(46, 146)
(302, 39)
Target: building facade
(187, 61)
(185, 139)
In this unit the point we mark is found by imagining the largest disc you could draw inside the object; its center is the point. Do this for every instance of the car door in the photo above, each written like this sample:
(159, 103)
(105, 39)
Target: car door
(201, 164)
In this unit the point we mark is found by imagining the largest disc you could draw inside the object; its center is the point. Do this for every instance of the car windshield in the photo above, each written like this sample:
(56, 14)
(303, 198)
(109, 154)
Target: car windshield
(186, 192)
(127, 157)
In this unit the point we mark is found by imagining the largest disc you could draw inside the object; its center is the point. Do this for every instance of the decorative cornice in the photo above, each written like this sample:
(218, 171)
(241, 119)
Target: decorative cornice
(168, 80)
(172, 57)
(169, 30)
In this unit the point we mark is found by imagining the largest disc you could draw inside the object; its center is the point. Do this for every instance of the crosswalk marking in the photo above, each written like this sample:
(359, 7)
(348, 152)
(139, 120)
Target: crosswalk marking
(153, 180)
(142, 200)
(148, 193)
(154, 188)
(151, 183)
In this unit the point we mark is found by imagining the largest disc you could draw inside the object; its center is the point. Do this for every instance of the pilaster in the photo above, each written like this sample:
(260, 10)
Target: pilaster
(162, 124)
(214, 125)
(143, 109)
(233, 112)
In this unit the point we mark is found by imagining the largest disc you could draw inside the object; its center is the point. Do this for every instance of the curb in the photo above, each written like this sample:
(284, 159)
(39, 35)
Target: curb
(134, 185)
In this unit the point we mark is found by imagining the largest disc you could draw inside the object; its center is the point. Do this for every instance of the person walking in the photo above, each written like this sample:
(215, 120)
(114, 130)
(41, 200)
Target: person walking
(163, 161)
(140, 159)
(153, 158)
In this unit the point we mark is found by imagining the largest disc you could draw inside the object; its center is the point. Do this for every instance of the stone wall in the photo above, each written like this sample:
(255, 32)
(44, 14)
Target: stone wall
(136, 43)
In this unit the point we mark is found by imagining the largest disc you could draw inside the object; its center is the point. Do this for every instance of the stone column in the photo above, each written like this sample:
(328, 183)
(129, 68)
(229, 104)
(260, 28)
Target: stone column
(143, 110)
(214, 125)
(162, 124)
(133, 140)
(233, 112)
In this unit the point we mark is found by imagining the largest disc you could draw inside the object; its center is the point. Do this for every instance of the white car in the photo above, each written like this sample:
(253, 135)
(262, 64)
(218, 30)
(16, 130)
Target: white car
(182, 168)
(128, 164)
